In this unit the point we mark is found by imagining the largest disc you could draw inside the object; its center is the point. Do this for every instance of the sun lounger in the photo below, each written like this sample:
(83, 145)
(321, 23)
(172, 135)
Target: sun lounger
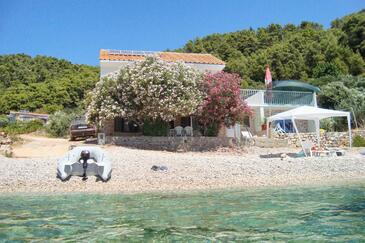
(307, 148)
(336, 151)
(319, 153)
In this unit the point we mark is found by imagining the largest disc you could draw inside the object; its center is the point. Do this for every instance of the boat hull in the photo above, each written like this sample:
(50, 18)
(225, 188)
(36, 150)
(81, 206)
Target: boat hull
(98, 165)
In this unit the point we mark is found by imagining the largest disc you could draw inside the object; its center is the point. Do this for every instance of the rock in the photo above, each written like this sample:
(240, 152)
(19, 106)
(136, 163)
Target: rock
(159, 168)
(7, 150)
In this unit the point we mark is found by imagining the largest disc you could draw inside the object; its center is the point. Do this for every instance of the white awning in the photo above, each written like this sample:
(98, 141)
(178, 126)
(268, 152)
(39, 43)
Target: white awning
(308, 113)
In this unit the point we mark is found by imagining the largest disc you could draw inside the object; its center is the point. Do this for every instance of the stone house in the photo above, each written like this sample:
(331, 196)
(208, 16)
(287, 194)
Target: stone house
(285, 95)
(113, 60)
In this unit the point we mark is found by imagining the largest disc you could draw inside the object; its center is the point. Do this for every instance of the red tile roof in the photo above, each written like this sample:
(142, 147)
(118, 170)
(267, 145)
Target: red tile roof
(112, 55)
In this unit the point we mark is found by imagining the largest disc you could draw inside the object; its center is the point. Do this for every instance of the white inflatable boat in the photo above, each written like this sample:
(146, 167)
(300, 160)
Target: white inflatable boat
(85, 161)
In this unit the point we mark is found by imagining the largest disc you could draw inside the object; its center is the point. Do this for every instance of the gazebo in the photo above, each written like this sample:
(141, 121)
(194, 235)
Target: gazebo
(310, 113)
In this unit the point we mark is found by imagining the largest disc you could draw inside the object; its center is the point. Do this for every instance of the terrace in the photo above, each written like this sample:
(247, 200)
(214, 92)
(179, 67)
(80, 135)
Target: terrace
(278, 98)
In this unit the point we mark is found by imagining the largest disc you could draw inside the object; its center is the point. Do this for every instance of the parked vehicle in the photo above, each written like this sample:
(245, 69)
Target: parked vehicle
(82, 130)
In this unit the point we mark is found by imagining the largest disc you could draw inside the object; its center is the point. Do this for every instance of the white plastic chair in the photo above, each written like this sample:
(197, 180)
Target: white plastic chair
(307, 148)
(247, 137)
(279, 130)
(178, 131)
(188, 131)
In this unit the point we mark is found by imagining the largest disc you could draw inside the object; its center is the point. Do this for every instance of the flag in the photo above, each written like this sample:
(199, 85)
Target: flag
(268, 78)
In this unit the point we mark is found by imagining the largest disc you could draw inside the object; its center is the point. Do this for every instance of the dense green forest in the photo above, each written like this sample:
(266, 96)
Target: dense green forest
(43, 84)
(293, 52)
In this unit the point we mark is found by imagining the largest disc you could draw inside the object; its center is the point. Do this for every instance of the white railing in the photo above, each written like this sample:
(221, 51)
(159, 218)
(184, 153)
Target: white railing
(255, 97)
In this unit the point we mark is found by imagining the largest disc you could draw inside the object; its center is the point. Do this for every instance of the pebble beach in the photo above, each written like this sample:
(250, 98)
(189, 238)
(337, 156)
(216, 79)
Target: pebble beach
(185, 171)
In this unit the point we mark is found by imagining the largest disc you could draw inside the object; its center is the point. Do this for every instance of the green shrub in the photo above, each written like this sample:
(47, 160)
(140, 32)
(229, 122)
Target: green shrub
(50, 108)
(20, 127)
(155, 128)
(358, 141)
(4, 121)
(59, 123)
(212, 130)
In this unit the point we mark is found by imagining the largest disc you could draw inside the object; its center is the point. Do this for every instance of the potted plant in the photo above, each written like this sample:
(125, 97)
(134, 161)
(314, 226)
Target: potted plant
(264, 125)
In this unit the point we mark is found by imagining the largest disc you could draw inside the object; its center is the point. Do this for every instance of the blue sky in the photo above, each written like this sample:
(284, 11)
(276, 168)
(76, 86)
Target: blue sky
(77, 29)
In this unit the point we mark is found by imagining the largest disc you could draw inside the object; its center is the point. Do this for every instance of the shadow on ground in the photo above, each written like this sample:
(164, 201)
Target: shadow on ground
(278, 155)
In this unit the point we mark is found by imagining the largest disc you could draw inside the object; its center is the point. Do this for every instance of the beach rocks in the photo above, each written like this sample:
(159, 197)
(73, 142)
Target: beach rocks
(5, 145)
(137, 170)
(6, 150)
(159, 168)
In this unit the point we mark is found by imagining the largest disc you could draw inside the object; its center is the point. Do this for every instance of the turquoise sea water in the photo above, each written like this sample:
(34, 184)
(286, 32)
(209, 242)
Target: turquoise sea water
(334, 213)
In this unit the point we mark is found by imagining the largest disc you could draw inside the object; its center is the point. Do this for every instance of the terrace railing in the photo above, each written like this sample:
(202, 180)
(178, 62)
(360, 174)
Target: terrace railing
(255, 97)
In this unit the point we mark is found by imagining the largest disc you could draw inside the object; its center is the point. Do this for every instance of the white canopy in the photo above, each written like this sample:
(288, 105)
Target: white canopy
(310, 113)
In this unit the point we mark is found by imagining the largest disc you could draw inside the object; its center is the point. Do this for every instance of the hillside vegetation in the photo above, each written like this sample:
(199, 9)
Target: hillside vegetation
(293, 52)
(332, 59)
(42, 83)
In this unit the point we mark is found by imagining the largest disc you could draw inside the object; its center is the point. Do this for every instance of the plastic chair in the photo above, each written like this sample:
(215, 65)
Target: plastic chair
(178, 131)
(307, 148)
(188, 131)
(247, 137)
(279, 130)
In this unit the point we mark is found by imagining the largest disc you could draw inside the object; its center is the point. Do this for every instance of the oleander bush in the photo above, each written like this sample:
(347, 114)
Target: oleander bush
(222, 104)
(151, 89)
(153, 92)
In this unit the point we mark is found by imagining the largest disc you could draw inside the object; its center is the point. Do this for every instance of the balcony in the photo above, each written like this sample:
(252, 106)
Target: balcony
(279, 98)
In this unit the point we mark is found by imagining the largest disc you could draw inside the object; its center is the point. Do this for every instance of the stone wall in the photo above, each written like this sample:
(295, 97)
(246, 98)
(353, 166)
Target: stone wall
(328, 139)
(171, 143)
(108, 127)
(264, 142)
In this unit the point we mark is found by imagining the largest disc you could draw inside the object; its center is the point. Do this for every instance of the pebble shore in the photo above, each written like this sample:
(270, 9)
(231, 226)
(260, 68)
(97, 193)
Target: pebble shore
(186, 171)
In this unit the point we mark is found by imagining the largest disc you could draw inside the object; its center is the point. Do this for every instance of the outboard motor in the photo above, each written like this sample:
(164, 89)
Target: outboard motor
(85, 155)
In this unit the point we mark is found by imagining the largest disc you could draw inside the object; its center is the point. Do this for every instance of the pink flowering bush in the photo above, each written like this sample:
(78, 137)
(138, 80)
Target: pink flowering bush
(222, 104)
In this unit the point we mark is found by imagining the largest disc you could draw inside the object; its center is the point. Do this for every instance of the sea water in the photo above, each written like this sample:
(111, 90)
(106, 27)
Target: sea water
(330, 213)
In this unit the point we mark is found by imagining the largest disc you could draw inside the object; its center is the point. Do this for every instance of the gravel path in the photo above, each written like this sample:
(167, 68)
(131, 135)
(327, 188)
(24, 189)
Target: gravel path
(186, 171)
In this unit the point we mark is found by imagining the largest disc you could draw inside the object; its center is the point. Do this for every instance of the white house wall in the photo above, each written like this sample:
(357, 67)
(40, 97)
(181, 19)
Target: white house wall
(113, 66)
(206, 67)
